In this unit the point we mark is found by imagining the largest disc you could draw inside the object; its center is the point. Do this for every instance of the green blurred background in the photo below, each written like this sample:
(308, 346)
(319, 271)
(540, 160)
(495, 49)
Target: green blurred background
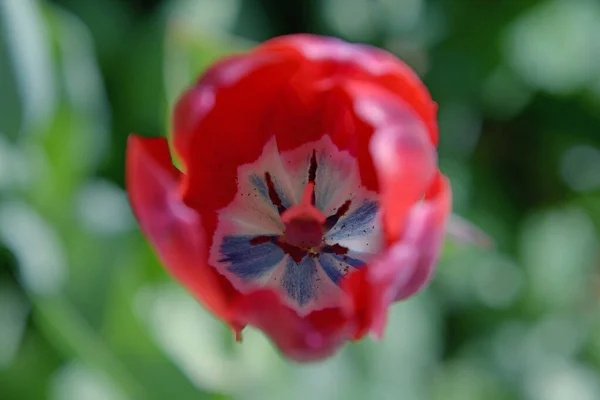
(86, 311)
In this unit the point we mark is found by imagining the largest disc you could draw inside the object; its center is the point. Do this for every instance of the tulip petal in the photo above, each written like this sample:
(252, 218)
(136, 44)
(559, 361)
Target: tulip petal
(299, 279)
(425, 230)
(359, 61)
(313, 337)
(211, 143)
(248, 260)
(173, 228)
(407, 265)
(404, 158)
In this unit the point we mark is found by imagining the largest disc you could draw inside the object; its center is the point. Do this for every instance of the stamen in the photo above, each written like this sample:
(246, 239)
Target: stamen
(333, 219)
(335, 249)
(295, 252)
(262, 239)
(312, 175)
(312, 171)
(273, 195)
(304, 222)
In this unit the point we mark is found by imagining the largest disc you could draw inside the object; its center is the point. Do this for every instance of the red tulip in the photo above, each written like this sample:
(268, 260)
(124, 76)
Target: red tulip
(310, 198)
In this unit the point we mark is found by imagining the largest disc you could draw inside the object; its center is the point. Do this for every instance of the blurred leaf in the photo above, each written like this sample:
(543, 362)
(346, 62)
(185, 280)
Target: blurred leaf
(75, 381)
(217, 16)
(27, 96)
(505, 95)
(189, 50)
(13, 314)
(81, 87)
(560, 380)
(194, 341)
(126, 332)
(558, 251)
(42, 271)
(553, 45)
(28, 376)
(11, 109)
(468, 380)
(14, 170)
(72, 335)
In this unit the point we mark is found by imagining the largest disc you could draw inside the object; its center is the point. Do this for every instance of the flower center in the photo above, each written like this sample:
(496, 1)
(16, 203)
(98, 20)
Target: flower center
(301, 221)
(304, 233)
(304, 223)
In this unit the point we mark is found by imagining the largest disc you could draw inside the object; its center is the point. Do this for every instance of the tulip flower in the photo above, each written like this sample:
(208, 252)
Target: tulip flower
(309, 198)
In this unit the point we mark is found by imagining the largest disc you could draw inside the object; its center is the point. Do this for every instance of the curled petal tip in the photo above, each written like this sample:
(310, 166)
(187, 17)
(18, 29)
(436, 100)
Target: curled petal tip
(465, 232)
(425, 234)
(174, 229)
(406, 163)
(377, 334)
(238, 335)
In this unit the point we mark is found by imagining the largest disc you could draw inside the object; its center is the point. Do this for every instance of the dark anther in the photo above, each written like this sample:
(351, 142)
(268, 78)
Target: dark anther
(312, 174)
(335, 249)
(273, 195)
(296, 253)
(312, 171)
(262, 239)
(333, 219)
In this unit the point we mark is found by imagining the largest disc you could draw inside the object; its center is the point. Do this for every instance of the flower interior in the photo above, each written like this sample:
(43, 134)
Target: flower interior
(300, 222)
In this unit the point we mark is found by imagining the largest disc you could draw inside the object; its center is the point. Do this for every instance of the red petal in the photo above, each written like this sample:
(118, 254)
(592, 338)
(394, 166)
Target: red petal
(425, 230)
(373, 288)
(407, 265)
(403, 157)
(298, 116)
(219, 123)
(173, 228)
(312, 105)
(288, 86)
(350, 132)
(357, 61)
(314, 337)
